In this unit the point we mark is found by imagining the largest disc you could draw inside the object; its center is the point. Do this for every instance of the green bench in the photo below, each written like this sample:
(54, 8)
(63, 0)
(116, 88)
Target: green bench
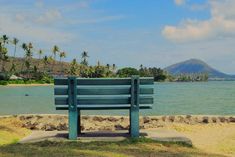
(76, 94)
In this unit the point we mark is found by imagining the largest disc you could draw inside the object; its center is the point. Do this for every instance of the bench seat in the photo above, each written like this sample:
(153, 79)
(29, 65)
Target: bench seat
(76, 94)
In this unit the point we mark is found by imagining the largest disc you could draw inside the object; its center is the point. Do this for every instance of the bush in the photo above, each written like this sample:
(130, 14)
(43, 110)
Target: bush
(3, 82)
(4, 76)
(127, 72)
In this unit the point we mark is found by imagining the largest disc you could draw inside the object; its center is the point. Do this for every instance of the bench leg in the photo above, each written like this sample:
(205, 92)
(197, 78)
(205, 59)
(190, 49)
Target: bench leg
(73, 125)
(134, 122)
(79, 122)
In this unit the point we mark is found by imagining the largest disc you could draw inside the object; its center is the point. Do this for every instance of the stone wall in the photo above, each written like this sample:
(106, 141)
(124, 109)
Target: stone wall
(89, 123)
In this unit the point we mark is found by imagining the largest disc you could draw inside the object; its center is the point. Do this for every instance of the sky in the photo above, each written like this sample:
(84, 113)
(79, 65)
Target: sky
(127, 32)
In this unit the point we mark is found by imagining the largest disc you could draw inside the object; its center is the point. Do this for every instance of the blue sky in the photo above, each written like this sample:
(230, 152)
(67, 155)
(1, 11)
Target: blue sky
(127, 32)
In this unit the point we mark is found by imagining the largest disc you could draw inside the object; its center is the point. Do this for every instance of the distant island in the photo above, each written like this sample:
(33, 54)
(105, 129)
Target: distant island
(196, 66)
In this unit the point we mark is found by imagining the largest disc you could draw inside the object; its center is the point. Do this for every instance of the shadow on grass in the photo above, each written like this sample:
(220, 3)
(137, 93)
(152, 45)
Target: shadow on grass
(130, 147)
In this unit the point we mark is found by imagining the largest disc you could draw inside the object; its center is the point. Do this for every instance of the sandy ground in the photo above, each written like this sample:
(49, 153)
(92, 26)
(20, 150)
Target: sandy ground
(213, 138)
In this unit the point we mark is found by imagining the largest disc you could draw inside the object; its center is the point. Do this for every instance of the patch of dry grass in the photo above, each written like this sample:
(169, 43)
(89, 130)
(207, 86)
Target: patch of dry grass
(11, 130)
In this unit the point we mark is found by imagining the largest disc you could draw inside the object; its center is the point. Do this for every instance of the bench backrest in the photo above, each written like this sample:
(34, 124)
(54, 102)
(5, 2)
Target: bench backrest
(103, 93)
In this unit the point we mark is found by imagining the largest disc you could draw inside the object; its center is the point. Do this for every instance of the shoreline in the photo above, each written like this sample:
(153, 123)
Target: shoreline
(26, 85)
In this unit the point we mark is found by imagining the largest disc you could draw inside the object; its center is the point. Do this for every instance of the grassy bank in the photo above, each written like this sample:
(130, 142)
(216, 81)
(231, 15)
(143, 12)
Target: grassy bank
(25, 82)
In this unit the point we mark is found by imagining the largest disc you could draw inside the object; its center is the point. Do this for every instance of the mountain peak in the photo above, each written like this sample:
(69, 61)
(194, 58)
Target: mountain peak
(193, 66)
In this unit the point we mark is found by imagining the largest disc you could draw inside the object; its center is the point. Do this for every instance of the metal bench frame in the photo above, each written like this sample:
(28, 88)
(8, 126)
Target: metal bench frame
(69, 87)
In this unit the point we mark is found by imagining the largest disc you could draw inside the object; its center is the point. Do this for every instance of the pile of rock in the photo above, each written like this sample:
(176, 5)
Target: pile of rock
(60, 122)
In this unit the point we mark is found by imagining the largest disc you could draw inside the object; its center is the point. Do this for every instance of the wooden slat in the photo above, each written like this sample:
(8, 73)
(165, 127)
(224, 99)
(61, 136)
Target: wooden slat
(104, 81)
(101, 90)
(103, 107)
(103, 100)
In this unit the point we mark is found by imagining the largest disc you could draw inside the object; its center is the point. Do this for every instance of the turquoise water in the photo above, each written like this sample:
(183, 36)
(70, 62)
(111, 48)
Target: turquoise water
(170, 99)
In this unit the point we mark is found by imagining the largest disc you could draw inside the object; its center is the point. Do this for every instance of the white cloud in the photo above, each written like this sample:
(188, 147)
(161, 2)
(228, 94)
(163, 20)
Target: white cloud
(179, 2)
(221, 24)
(25, 30)
(49, 16)
(97, 19)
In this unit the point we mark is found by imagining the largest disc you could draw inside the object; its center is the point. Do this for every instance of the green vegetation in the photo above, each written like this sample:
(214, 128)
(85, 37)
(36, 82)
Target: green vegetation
(126, 148)
(38, 67)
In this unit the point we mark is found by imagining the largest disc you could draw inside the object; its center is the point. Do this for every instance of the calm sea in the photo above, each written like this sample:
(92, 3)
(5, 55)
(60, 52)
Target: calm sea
(210, 98)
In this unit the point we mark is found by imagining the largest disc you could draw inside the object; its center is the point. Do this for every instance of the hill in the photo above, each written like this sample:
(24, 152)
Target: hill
(51, 66)
(194, 66)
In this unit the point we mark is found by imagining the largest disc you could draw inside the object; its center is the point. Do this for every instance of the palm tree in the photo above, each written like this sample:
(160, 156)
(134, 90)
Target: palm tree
(73, 67)
(108, 66)
(98, 64)
(28, 55)
(15, 42)
(13, 66)
(24, 47)
(55, 49)
(114, 67)
(45, 62)
(5, 39)
(40, 52)
(84, 58)
(62, 55)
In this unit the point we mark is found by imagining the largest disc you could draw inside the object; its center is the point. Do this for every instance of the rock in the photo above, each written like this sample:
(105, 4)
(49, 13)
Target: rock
(146, 119)
(154, 119)
(50, 127)
(232, 119)
(214, 119)
(62, 126)
(121, 127)
(179, 119)
(164, 118)
(112, 119)
(99, 119)
(39, 117)
(188, 116)
(85, 117)
(222, 119)
(29, 117)
(171, 118)
(205, 120)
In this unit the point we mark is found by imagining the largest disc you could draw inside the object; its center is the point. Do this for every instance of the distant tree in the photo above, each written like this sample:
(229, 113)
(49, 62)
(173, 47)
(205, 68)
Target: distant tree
(15, 41)
(84, 58)
(45, 62)
(73, 67)
(62, 55)
(3, 51)
(13, 66)
(55, 50)
(40, 52)
(127, 72)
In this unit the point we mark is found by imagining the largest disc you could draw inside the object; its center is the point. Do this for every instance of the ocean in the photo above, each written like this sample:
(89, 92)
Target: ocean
(173, 98)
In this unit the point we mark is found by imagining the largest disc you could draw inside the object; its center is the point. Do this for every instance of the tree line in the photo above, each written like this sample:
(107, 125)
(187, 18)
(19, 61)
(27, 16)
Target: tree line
(45, 66)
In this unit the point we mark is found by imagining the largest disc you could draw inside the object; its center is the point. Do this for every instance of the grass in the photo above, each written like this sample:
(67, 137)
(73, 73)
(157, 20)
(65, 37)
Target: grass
(126, 148)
